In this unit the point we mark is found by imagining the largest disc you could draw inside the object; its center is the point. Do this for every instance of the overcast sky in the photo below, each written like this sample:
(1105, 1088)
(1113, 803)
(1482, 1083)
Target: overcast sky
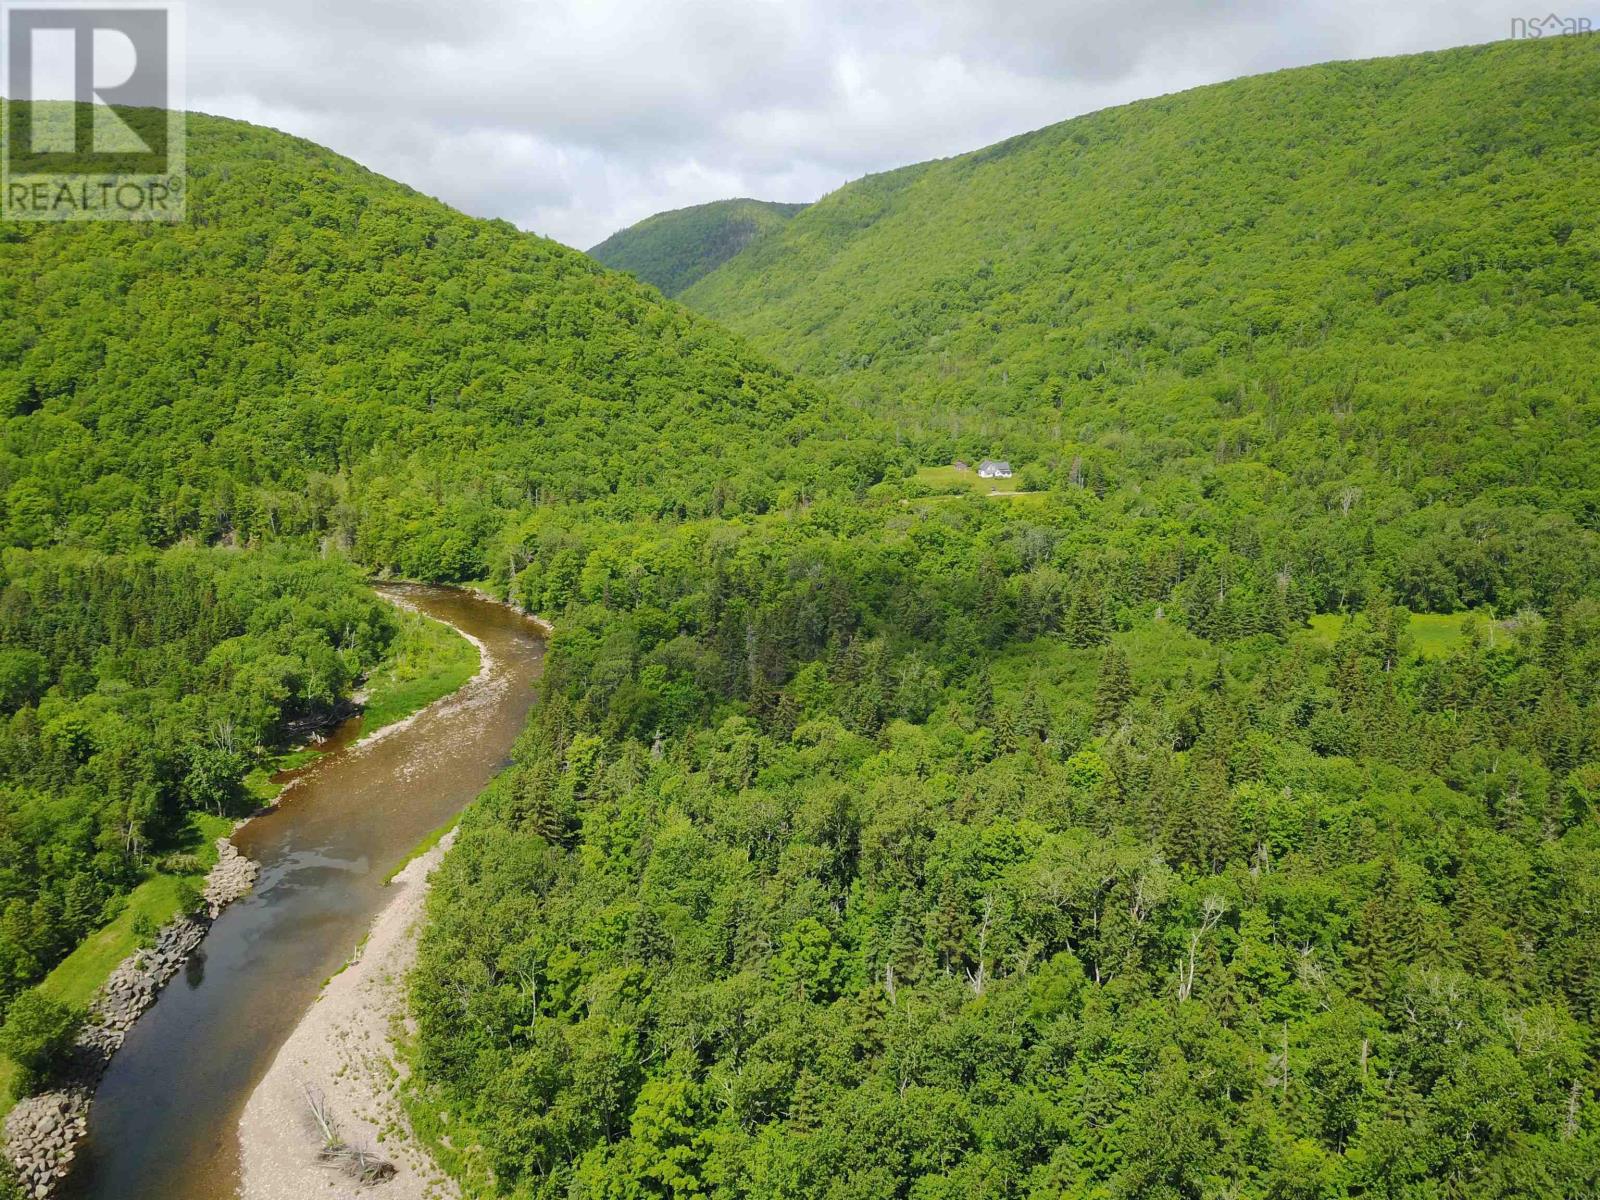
(573, 118)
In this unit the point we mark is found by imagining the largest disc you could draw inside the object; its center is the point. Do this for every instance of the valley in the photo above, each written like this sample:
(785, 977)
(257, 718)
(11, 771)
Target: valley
(324, 851)
(1206, 805)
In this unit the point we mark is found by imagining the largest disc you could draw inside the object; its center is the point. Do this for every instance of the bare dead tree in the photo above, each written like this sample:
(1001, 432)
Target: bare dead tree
(977, 982)
(356, 1162)
(1211, 910)
(322, 1116)
(1278, 1068)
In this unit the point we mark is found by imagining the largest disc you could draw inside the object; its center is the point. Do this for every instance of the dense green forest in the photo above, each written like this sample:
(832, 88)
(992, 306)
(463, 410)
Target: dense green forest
(320, 353)
(321, 374)
(931, 846)
(1377, 277)
(868, 841)
(673, 250)
(136, 690)
(951, 850)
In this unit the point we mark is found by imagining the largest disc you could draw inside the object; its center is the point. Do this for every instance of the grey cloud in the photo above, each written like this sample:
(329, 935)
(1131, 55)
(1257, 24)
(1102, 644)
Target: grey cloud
(575, 117)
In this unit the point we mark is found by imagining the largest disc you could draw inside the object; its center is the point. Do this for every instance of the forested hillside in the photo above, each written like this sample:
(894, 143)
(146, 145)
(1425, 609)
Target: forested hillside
(320, 352)
(1215, 817)
(675, 249)
(1379, 278)
(962, 849)
(318, 360)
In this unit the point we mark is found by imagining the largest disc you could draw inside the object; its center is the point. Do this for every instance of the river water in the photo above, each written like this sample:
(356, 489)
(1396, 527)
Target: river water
(164, 1123)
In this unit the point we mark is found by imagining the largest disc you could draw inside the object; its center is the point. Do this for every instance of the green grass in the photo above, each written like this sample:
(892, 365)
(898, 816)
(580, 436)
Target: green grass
(949, 480)
(1433, 635)
(421, 848)
(932, 485)
(429, 660)
(1325, 627)
(77, 977)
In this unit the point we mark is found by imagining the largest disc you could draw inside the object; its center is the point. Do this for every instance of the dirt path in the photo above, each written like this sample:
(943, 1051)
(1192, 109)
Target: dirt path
(342, 1053)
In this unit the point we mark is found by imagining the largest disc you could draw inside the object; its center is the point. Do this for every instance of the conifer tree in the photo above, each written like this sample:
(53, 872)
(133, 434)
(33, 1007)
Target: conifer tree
(1113, 688)
(983, 709)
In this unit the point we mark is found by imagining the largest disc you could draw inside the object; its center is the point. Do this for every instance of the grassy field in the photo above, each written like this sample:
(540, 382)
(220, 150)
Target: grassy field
(1433, 635)
(429, 660)
(950, 481)
(77, 977)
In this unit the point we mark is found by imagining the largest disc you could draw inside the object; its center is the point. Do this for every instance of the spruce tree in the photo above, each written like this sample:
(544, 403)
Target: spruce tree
(1114, 688)
(983, 711)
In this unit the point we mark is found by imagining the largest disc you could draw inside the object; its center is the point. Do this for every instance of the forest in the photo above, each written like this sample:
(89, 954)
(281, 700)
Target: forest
(1313, 268)
(1215, 814)
(945, 855)
(923, 844)
(322, 355)
(212, 435)
(673, 250)
(137, 690)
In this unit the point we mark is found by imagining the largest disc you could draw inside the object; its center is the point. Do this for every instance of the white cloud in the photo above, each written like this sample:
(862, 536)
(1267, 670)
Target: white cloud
(576, 117)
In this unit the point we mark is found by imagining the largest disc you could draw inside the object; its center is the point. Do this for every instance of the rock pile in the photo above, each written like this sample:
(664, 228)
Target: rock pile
(42, 1132)
(133, 985)
(232, 877)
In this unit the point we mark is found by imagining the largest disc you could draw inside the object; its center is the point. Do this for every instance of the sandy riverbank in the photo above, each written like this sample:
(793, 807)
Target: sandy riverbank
(342, 1051)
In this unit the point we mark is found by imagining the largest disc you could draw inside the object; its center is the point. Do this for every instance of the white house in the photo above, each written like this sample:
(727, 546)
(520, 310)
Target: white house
(993, 468)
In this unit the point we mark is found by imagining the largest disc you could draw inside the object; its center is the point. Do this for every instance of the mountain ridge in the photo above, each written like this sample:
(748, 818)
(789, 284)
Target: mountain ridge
(1178, 244)
(673, 249)
(287, 358)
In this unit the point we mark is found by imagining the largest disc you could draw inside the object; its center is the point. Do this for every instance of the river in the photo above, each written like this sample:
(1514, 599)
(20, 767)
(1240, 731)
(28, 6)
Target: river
(164, 1123)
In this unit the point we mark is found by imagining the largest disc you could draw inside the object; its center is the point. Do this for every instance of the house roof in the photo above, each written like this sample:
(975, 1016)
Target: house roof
(998, 463)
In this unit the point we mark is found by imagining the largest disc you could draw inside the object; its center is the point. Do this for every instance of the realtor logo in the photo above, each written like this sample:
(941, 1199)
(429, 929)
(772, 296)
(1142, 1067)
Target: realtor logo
(93, 127)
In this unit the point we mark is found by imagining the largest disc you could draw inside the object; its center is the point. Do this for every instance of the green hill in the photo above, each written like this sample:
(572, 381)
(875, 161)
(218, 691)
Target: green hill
(937, 845)
(322, 353)
(1363, 274)
(318, 360)
(1217, 812)
(675, 249)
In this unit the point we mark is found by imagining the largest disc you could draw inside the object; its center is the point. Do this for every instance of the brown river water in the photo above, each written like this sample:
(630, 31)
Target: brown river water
(164, 1123)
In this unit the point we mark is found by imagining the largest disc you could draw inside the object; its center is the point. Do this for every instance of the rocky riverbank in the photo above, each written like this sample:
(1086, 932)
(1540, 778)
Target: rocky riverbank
(339, 1077)
(42, 1132)
(230, 880)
